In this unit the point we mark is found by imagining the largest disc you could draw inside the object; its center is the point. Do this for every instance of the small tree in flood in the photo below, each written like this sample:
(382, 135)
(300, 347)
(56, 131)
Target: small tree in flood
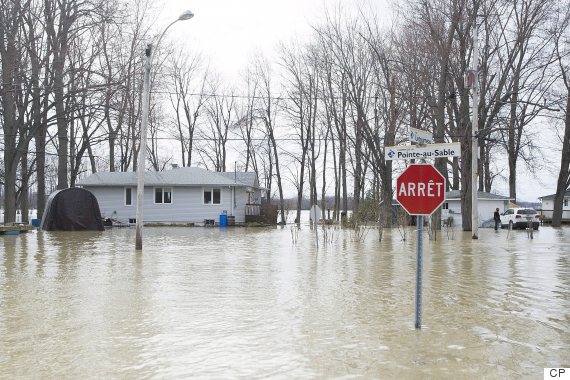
(402, 222)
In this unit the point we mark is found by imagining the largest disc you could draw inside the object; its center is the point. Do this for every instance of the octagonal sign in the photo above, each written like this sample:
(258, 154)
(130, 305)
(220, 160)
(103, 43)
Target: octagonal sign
(420, 189)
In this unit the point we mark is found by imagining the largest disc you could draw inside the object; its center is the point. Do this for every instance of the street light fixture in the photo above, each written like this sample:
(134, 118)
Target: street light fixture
(186, 15)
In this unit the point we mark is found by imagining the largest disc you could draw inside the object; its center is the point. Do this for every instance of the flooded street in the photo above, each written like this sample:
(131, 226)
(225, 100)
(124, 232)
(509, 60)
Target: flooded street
(252, 303)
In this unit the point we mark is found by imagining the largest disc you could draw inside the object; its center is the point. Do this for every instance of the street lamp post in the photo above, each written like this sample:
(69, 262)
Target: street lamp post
(475, 140)
(144, 122)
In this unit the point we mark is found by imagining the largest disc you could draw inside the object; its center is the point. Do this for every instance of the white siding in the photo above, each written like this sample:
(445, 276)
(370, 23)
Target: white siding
(548, 205)
(548, 209)
(486, 210)
(453, 210)
(241, 200)
(548, 215)
(187, 205)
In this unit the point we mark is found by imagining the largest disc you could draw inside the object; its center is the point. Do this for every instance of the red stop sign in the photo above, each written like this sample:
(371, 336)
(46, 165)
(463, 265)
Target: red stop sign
(420, 189)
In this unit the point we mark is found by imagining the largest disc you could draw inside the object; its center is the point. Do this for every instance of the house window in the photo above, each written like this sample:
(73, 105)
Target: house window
(128, 196)
(565, 202)
(445, 206)
(163, 195)
(212, 196)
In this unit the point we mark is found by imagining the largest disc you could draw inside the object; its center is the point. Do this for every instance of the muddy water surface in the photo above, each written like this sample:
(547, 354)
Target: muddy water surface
(253, 303)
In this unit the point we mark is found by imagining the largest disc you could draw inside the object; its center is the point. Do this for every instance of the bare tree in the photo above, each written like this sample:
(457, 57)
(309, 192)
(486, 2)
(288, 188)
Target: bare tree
(157, 157)
(354, 59)
(122, 32)
(60, 23)
(86, 110)
(268, 107)
(188, 80)
(526, 67)
(16, 97)
(336, 108)
(221, 113)
(302, 86)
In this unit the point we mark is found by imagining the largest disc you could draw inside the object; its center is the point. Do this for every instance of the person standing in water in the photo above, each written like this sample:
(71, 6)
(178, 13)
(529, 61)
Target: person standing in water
(497, 217)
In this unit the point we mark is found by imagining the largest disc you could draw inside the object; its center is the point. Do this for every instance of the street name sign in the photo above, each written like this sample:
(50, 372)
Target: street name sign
(411, 152)
(420, 136)
(420, 189)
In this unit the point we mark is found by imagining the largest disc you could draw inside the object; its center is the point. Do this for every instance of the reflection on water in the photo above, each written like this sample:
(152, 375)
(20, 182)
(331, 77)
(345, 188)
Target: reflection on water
(248, 303)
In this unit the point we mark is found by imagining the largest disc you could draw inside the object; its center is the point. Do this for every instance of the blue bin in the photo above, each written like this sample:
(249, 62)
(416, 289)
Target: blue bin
(36, 222)
(223, 220)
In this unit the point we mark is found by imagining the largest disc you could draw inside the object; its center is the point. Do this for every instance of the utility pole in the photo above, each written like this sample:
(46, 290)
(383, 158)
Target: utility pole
(187, 15)
(142, 147)
(475, 138)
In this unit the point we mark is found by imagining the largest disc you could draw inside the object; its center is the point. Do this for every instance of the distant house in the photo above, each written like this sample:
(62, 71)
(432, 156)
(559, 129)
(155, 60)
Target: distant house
(548, 206)
(486, 204)
(180, 195)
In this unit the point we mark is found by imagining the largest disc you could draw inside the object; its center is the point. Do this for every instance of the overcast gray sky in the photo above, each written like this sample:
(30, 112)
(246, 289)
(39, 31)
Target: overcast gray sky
(229, 32)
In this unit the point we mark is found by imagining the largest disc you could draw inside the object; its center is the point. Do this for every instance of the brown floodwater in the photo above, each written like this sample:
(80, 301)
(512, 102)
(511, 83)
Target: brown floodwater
(253, 303)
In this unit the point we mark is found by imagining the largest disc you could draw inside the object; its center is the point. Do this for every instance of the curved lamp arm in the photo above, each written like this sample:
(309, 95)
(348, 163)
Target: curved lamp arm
(186, 15)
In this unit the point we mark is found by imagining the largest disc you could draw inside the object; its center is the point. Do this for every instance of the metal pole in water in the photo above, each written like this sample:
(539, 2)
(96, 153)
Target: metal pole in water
(316, 233)
(316, 225)
(530, 228)
(314, 216)
(419, 265)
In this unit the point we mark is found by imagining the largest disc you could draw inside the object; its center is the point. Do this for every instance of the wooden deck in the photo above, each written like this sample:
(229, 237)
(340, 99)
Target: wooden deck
(14, 230)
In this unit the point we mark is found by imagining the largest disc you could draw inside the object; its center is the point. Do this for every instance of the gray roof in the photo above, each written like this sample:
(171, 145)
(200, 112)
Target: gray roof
(566, 194)
(247, 178)
(185, 176)
(481, 195)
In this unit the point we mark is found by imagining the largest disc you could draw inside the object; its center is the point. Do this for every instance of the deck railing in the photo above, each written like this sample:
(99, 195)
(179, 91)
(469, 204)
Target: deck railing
(252, 209)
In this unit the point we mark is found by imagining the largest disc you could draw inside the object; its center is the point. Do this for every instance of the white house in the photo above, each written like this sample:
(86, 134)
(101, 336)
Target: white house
(548, 206)
(180, 195)
(486, 205)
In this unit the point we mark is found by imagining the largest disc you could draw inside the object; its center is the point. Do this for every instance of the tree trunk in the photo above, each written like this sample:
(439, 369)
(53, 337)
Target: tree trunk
(25, 188)
(62, 138)
(336, 205)
(324, 184)
(513, 178)
(357, 188)
(9, 60)
(300, 188)
(112, 139)
(342, 167)
(40, 140)
(564, 174)
(466, 195)
(456, 178)
(277, 171)
(9, 194)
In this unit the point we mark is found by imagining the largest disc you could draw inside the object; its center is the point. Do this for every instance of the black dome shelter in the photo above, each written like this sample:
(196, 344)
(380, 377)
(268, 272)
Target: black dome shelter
(73, 209)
